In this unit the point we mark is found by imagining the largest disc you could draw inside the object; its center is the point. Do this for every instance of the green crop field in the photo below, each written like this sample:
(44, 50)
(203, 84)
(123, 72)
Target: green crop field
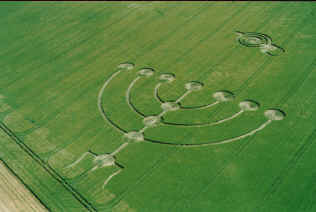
(160, 106)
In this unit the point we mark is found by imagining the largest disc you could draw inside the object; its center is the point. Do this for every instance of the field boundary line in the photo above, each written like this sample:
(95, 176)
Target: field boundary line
(5, 164)
(47, 168)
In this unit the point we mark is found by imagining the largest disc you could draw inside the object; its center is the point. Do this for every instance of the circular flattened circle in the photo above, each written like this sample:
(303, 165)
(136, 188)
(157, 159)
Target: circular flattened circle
(253, 39)
(151, 121)
(135, 136)
(104, 160)
(127, 66)
(248, 105)
(193, 86)
(167, 77)
(147, 72)
(170, 106)
(274, 114)
(223, 96)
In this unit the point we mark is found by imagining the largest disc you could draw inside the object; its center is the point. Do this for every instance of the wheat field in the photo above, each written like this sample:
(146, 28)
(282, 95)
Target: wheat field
(14, 196)
(160, 106)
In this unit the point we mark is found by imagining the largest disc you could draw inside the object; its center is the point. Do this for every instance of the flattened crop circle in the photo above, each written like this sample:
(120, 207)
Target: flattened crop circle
(252, 39)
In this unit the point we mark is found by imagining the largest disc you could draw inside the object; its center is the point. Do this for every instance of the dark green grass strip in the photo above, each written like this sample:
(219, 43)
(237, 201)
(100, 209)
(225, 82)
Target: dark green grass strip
(47, 168)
